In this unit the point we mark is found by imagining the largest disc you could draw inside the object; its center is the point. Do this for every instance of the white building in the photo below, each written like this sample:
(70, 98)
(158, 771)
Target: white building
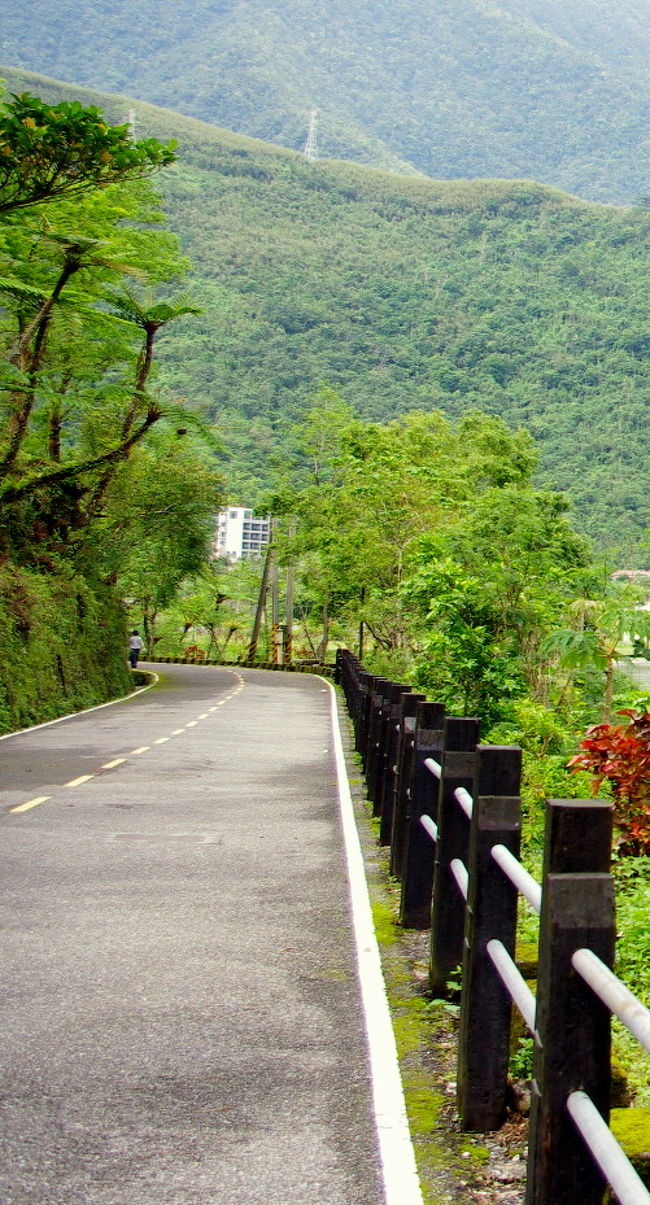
(240, 533)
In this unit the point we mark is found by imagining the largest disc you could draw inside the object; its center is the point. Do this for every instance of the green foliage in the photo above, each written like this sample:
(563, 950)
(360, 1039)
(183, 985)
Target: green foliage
(619, 754)
(158, 523)
(600, 627)
(84, 500)
(213, 609)
(49, 151)
(64, 646)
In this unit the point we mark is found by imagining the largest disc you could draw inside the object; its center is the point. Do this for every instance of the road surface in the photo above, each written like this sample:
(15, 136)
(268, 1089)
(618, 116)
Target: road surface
(182, 1020)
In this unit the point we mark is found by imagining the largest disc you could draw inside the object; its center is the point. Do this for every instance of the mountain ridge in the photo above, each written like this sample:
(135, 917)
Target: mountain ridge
(454, 89)
(405, 293)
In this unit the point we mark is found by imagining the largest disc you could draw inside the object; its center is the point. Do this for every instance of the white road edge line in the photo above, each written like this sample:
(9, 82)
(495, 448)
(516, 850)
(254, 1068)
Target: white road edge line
(401, 1180)
(100, 706)
(86, 710)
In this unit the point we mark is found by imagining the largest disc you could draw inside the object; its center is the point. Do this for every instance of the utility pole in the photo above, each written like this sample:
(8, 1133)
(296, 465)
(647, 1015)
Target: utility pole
(261, 600)
(310, 150)
(276, 650)
(287, 651)
(287, 630)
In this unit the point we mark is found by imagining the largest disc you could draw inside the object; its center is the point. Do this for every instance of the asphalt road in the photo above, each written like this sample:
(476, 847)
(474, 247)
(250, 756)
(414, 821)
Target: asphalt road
(180, 1008)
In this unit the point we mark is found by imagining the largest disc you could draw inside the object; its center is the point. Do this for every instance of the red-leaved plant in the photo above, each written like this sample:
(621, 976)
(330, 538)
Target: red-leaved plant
(620, 754)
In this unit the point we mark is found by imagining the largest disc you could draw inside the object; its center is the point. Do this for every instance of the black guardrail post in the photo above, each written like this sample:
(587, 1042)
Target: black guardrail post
(404, 761)
(374, 750)
(486, 1007)
(419, 850)
(366, 687)
(458, 763)
(573, 1027)
(386, 781)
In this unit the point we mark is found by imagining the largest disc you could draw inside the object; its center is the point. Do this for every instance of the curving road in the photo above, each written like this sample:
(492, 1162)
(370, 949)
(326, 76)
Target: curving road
(181, 1017)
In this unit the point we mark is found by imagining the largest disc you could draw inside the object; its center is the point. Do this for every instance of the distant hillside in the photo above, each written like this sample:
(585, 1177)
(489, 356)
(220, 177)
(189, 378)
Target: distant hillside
(506, 296)
(555, 90)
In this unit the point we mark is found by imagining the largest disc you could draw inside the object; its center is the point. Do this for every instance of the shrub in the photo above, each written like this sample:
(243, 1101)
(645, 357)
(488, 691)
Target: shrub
(619, 754)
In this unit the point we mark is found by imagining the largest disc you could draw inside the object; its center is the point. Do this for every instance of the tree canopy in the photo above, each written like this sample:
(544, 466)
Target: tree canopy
(88, 283)
(49, 151)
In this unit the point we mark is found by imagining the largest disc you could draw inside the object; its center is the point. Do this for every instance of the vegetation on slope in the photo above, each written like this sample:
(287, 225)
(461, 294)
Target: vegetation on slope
(557, 92)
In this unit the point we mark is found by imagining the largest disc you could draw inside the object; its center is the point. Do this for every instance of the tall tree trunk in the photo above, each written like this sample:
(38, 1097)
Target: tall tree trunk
(28, 356)
(609, 690)
(121, 452)
(145, 362)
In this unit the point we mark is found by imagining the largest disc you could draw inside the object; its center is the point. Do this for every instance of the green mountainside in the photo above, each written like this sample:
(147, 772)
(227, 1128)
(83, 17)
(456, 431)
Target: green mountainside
(555, 90)
(405, 293)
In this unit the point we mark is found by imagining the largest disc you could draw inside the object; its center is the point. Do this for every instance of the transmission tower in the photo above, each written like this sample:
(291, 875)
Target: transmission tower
(131, 124)
(311, 146)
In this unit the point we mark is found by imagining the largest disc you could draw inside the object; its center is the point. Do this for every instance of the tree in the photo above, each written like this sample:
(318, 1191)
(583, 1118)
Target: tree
(157, 524)
(76, 380)
(30, 344)
(50, 151)
(599, 628)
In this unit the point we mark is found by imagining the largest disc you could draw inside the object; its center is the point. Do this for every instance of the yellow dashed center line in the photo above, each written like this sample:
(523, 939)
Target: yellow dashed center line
(119, 761)
(32, 803)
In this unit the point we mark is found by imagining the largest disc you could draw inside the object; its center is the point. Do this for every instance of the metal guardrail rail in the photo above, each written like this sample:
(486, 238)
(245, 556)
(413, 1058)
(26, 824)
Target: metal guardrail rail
(620, 1001)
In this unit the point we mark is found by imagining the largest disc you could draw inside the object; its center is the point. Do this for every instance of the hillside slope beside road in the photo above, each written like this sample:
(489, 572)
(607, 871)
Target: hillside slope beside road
(182, 1018)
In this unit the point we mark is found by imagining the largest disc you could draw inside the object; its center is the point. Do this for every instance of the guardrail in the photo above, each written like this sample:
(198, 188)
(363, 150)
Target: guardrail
(296, 667)
(450, 810)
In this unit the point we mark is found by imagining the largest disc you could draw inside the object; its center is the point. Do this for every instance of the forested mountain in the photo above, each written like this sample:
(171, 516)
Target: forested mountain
(507, 297)
(555, 90)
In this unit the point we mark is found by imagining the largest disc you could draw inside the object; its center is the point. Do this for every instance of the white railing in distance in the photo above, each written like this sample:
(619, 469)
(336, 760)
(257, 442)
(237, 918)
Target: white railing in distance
(465, 800)
(459, 871)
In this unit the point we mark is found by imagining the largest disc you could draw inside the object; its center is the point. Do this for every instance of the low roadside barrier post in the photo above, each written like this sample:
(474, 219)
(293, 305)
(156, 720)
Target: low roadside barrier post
(386, 783)
(403, 771)
(422, 800)
(458, 764)
(374, 748)
(572, 1041)
(486, 1008)
(366, 686)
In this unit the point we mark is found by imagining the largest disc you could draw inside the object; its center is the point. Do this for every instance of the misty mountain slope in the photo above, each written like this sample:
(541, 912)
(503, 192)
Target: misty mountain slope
(544, 89)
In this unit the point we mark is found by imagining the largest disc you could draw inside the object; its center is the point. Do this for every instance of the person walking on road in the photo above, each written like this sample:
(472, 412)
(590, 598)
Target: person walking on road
(136, 644)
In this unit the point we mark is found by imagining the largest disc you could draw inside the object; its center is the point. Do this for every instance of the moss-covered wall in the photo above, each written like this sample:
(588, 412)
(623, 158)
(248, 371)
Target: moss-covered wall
(63, 646)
